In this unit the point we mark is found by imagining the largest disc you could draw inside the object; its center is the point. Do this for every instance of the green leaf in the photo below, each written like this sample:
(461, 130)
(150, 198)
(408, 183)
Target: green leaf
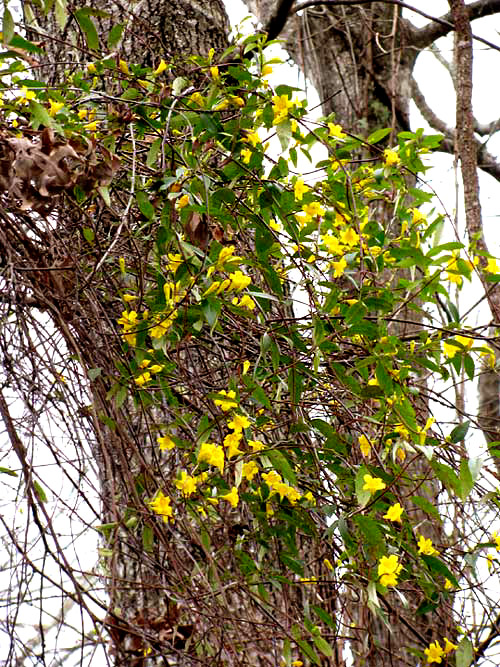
(88, 234)
(147, 538)
(154, 149)
(466, 480)
(378, 135)
(261, 397)
(426, 506)
(295, 384)
(324, 616)
(448, 477)
(60, 9)
(439, 567)
(465, 653)
(307, 649)
(115, 34)
(292, 564)
(323, 646)
(8, 26)
(459, 432)
(40, 114)
(145, 206)
(120, 396)
(282, 465)
(39, 492)
(284, 132)
(88, 28)
(384, 379)
(8, 471)
(94, 373)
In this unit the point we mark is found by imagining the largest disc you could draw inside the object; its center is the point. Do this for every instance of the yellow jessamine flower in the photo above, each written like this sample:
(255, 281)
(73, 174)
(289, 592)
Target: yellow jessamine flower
(239, 422)
(364, 445)
(492, 266)
(249, 470)
(332, 243)
(161, 505)
(165, 442)
(335, 131)
(312, 210)
(245, 302)
(186, 484)
(143, 379)
(394, 513)
(434, 653)
(55, 107)
(425, 546)
(232, 441)
(300, 188)
(391, 158)
(349, 237)
(256, 445)
(496, 538)
(161, 67)
(227, 403)
(174, 261)
(91, 68)
(182, 201)
(238, 281)
(388, 570)
(245, 367)
(246, 154)
(339, 268)
(449, 646)
(232, 497)
(252, 138)
(211, 454)
(281, 105)
(373, 484)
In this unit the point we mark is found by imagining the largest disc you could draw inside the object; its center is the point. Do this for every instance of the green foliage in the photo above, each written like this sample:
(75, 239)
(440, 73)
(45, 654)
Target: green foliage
(294, 294)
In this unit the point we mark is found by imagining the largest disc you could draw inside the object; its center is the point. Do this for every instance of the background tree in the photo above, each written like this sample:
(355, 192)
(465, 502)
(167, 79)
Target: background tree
(119, 235)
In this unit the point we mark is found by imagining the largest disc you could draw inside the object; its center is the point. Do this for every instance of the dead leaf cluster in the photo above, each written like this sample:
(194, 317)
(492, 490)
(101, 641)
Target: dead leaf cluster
(35, 170)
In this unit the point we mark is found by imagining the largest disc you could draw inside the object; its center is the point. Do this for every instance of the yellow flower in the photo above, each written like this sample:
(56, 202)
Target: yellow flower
(228, 402)
(182, 201)
(332, 243)
(277, 226)
(267, 69)
(448, 586)
(313, 209)
(211, 454)
(449, 646)
(231, 441)
(186, 484)
(281, 104)
(373, 484)
(161, 67)
(91, 127)
(350, 237)
(143, 379)
(129, 297)
(300, 188)
(434, 653)
(161, 505)
(452, 271)
(256, 445)
(339, 268)
(123, 67)
(417, 216)
(394, 513)
(238, 281)
(165, 442)
(162, 326)
(239, 422)
(245, 302)
(174, 260)
(328, 564)
(364, 445)
(197, 99)
(450, 350)
(232, 497)
(391, 157)
(496, 538)
(335, 131)
(492, 266)
(91, 68)
(246, 154)
(214, 73)
(249, 470)
(252, 138)
(55, 107)
(245, 367)
(237, 101)
(388, 570)
(425, 546)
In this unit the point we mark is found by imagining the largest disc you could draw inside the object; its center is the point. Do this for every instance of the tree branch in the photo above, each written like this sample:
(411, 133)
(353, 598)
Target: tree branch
(486, 161)
(277, 20)
(421, 38)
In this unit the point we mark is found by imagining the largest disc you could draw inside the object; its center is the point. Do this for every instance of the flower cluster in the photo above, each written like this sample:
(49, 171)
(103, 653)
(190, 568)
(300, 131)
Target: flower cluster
(389, 568)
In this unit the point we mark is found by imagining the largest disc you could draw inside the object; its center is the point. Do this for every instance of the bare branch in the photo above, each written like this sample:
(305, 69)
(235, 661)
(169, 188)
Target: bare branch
(486, 161)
